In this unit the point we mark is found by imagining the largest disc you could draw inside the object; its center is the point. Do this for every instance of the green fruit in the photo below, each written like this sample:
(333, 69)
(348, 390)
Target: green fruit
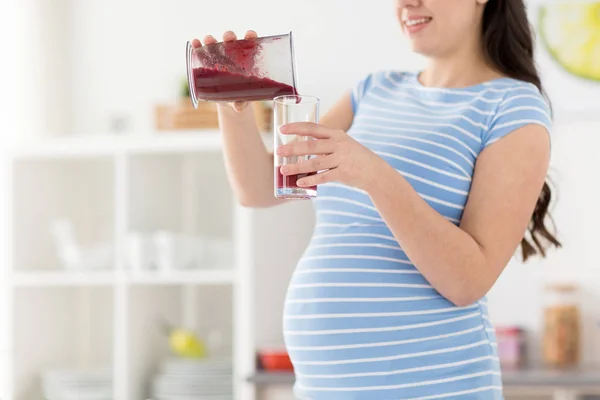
(570, 31)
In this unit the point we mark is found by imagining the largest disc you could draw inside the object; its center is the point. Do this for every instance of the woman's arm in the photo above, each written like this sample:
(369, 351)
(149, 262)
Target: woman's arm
(463, 263)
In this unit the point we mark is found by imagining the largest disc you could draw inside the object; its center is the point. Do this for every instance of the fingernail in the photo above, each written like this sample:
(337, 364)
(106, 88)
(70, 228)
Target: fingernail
(284, 169)
(300, 182)
(281, 150)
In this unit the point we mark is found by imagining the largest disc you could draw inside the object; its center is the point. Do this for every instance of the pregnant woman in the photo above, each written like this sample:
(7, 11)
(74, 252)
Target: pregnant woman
(430, 181)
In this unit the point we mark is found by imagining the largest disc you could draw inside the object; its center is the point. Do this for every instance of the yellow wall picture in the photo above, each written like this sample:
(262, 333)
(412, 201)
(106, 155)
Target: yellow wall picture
(570, 32)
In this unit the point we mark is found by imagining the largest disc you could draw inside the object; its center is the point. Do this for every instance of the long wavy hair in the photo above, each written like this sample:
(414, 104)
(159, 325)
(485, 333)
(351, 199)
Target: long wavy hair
(508, 43)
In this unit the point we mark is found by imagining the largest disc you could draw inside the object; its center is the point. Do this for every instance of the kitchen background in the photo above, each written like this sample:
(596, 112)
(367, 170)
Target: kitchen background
(100, 184)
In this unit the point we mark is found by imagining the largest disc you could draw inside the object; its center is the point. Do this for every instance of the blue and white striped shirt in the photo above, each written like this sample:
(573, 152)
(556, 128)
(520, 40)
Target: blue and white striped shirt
(360, 321)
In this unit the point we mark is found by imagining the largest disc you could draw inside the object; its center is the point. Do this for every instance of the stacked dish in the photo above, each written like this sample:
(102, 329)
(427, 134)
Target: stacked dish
(188, 379)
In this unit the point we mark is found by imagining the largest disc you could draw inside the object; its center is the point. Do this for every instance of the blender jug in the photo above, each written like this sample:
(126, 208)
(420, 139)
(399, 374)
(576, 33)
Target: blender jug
(242, 70)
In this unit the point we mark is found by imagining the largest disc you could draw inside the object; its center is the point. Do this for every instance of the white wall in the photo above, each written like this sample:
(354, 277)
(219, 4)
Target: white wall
(8, 93)
(129, 55)
(43, 68)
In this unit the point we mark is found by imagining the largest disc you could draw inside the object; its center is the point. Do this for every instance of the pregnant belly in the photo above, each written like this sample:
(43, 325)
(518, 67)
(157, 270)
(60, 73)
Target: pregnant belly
(356, 307)
(332, 306)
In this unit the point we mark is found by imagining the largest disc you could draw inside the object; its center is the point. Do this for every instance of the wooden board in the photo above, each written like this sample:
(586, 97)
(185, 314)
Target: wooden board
(183, 116)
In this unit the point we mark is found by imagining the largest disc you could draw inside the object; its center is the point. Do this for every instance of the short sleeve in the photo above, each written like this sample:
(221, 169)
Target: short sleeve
(521, 106)
(359, 90)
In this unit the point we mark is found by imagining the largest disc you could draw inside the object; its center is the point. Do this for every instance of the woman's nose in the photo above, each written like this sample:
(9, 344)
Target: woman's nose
(408, 3)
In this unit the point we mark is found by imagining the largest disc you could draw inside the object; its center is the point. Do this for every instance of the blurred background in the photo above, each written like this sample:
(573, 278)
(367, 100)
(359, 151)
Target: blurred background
(128, 270)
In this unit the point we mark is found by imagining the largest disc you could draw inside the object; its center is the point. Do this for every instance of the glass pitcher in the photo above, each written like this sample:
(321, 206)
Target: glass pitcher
(257, 69)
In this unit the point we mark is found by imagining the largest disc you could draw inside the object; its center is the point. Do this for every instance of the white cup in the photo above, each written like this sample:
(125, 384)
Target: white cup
(139, 252)
(166, 250)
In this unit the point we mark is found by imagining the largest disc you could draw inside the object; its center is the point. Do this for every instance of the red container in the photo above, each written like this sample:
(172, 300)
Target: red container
(275, 360)
(511, 346)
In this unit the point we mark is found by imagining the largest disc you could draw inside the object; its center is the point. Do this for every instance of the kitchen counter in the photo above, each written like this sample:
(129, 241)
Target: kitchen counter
(272, 378)
(547, 377)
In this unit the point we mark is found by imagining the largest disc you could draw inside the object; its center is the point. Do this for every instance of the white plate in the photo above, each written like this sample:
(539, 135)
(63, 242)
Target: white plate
(189, 367)
(184, 397)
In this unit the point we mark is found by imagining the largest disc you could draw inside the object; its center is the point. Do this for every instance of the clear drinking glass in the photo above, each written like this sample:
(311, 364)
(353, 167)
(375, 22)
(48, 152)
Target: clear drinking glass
(245, 70)
(288, 109)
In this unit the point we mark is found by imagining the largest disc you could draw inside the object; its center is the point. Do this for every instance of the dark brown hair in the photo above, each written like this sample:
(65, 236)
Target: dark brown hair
(508, 43)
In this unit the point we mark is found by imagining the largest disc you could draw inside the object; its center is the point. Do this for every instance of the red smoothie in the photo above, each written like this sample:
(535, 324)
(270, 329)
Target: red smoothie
(218, 85)
(291, 181)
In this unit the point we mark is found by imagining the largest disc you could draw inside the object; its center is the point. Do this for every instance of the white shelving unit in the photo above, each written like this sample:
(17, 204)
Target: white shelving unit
(65, 278)
(108, 187)
(61, 278)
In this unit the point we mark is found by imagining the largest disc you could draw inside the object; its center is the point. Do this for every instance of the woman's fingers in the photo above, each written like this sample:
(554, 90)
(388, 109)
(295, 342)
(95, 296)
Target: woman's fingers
(196, 43)
(313, 165)
(229, 36)
(319, 179)
(239, 105)
(251, 35)
(209, 39)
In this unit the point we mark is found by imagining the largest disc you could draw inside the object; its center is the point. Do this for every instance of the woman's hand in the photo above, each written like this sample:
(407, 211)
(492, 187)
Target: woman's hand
(340, 157)
(227, 36)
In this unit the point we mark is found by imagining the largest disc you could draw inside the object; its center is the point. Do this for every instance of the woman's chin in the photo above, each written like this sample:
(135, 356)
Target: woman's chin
(419, 47)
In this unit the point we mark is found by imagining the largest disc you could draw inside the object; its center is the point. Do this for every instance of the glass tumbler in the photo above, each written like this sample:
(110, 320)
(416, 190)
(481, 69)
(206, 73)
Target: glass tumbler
(244, 70)
(286, 110)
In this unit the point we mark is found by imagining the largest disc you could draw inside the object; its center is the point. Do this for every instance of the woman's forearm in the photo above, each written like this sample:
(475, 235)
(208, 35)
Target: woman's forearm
(249, 164)
(448, 257)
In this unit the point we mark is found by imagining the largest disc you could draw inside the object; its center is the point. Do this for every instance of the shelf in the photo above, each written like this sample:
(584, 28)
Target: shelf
(206, 277)
(68, 197)
(59, 328)
(553, 378)
(109, 144)
(272, 378)
(110, 188)
(205, 310)
(68, 278)
(106, 145)
(62, 278)
(541, 378)
(175, 142)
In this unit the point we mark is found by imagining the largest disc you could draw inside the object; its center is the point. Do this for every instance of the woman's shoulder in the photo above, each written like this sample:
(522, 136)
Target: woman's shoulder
(519, 94)
(521, 103)
(513, 89)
